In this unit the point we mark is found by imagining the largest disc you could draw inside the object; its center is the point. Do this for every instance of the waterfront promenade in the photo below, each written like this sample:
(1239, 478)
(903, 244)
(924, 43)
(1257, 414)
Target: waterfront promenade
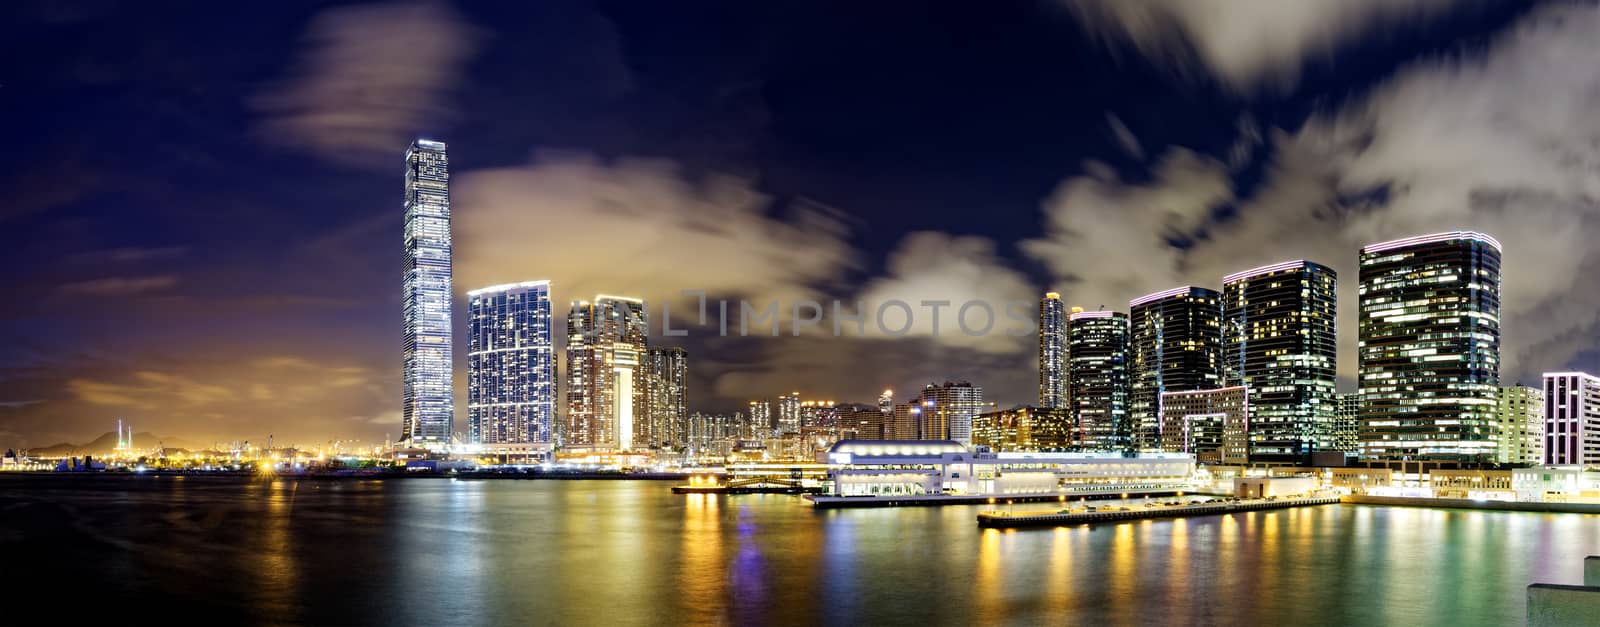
(1080, 517)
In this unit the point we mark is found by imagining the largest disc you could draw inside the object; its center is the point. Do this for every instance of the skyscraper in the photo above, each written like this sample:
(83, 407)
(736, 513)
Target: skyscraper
(1278, 340)
(607, 392)
(1213, 425)
(428, 395)
(1430, 347)
(1098, 378)
(669, 395)
(1052, 351)
(1520, 414)
(948, 410)
(1347, 423)
(1174, 345)
(511, 378)
(788, 415)
(1571, 419)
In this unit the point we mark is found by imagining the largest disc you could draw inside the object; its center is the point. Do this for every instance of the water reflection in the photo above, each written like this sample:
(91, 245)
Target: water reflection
(701, 572)
(274, 566)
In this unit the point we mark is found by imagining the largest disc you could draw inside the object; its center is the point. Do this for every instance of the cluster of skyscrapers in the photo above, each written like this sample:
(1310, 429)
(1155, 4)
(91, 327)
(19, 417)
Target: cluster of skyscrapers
(621, 393)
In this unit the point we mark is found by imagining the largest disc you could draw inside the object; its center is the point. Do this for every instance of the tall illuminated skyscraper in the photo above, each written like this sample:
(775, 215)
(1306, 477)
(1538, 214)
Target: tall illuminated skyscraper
(511, 378)
(428, 395)
(1571, 419)
(1430, 348)
(607, 392)
(1098, 371)
(669, 395)
(948, 410)
(1052, 352)
(1174, 345)
(788, 415)
(1278, 340)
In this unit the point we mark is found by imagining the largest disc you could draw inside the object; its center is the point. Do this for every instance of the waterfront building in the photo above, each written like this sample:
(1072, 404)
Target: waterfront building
(948, 409)
(924, 467)
(427, 409)
(1278, 340)
(1098, 384)
(1347, 423)
(1052, 351)
(1213, 425)
(788, 418)
(607, 392)
(511, 373)
(1430, 348)
(1520, 419)
(905, 423)
(1174, 345)
(668, 371)
(1572, 419)
(1024, 429)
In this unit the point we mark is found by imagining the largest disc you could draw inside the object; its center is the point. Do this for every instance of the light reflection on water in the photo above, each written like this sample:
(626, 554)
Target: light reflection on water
(625, 552)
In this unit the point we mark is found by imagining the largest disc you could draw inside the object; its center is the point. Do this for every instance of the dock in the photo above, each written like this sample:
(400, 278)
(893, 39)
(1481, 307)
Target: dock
(820, 501)
(1003, 520)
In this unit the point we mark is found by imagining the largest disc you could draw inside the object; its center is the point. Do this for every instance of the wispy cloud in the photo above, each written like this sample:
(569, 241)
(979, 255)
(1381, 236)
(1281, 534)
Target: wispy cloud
(131, 254)
(120, 286)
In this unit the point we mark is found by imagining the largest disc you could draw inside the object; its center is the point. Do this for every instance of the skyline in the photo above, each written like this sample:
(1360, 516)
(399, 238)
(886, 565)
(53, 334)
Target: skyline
(240, 262)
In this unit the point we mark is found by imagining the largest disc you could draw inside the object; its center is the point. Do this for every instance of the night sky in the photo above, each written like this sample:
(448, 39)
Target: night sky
(202, 211)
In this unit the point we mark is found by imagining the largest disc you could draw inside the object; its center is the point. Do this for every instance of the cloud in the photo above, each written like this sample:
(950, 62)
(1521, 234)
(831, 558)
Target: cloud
(371, 79)
(641, 228)
(120, 286)
(132, 254)
(1245, 42)
(932, 266)
(1109, 240)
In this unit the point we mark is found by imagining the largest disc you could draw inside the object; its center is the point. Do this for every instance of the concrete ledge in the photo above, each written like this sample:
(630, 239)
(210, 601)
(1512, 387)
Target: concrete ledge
(1591, 570)
(1510, 506)
(1552, 605)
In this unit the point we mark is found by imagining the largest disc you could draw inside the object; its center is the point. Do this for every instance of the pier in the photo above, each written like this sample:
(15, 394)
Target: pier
(1048, 519)
(821, 501)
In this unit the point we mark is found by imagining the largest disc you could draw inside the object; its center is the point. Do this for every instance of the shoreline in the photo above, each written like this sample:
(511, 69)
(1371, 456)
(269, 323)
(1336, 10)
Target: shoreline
(1491, 506)
(352, 476)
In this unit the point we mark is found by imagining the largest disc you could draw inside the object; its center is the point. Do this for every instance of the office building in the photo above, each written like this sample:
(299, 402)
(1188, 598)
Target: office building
(905, 423)
(1520, 420)
(1098, 379)
(428, 393)
(1571, 419)
(607, 392)
(1213, 425)
(1278, 340)
(1052, 351)
(511, 372)
(1347, 423)
(668, 369)
(866, 421)
(1024, 429)
(948, 409)
(1430, 348)
(1174, 345)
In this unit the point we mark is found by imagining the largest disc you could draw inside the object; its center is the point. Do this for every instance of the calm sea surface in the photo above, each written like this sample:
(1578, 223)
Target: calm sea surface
(437, 551)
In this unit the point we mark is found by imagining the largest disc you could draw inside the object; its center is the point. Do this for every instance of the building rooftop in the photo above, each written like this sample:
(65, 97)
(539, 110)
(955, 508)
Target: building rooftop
(1431, 239)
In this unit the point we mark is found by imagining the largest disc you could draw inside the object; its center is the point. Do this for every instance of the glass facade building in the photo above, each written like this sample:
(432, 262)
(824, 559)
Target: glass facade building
(428, 394)
(1430, 348)
(1278, 340)
(948, 410)
(1098, 370)
(1174, 345)
(669, 395)
(607, 392)
(511, 373)
(1052, 351)
(1213, 425)
(1571, 419)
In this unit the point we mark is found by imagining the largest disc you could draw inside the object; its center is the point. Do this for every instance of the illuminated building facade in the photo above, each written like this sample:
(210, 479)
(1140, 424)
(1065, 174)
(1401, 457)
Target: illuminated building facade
(1098, 371)
(1430, 348)
(761, 418)
(428, 393)
(948, 410)
(1571, 419)
(1174, 345)
(1023, 429)
(1347, 423)
(905, 423)
(511, 373)
(669, 395)
(1520, 418)
(607, 392)
(1278, 340)
(1213, 425)
(1052, 351)
(788, 415)
(866, 421)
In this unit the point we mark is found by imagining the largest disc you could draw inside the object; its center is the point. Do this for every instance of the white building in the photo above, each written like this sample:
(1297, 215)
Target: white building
(1521, 425)
(1572, 419)
(931, 467)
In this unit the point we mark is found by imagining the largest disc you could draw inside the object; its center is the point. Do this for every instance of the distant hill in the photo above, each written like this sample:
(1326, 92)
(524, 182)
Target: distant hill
(106, 443)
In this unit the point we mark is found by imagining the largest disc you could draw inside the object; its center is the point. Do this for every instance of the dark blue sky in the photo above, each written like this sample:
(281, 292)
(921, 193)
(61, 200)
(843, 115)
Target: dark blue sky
(170, 233)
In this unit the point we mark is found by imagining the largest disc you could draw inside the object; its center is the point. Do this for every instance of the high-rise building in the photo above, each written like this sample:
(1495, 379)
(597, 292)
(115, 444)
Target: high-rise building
(1278, 340)
(1098, 379)
(1052, 351)
(763, 422)
(428, 405)
(668, 369)
(511, 372)
(1520, 418)
(1174, 345)
(886, 402)
(1347, 423)
(1023, 429)
(1213, 425)
(1430, 347)
(1571, 419)
(788, 415)
(867, 421)
(948, 409)
(607, 392)
(906, 422)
